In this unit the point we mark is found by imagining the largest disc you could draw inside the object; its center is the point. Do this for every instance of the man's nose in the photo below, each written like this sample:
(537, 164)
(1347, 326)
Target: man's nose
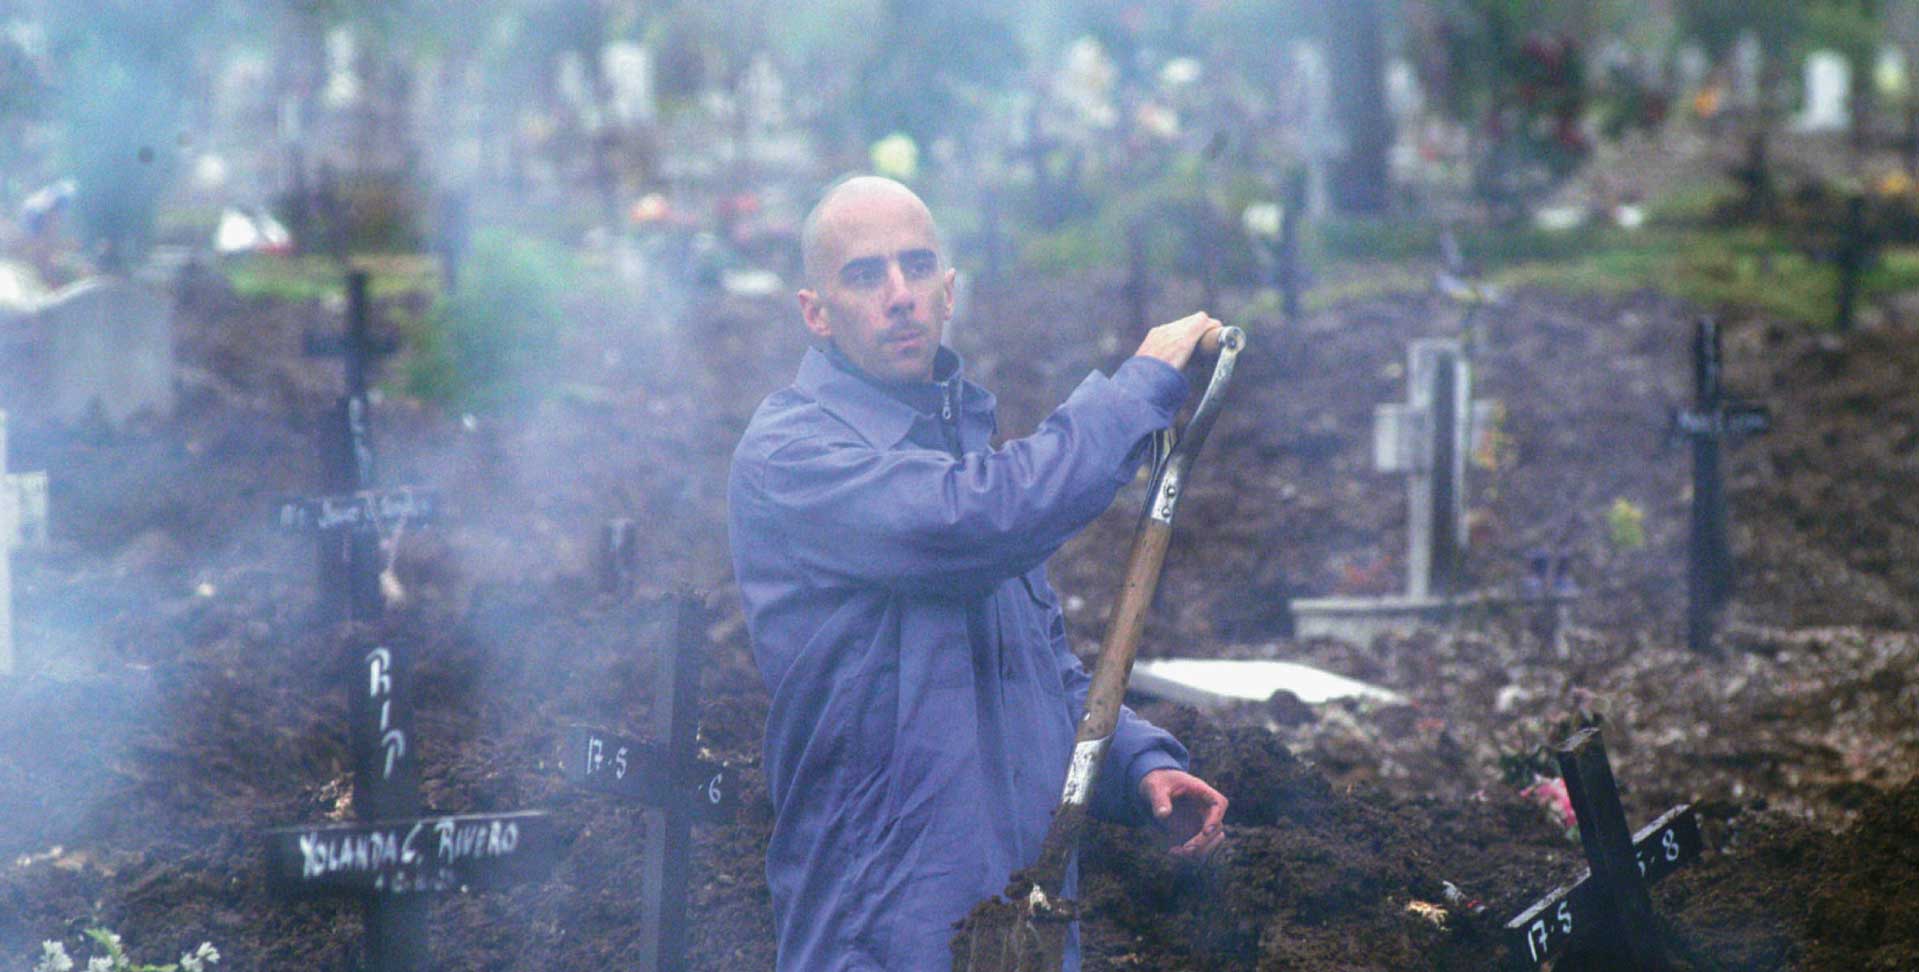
(899, 296)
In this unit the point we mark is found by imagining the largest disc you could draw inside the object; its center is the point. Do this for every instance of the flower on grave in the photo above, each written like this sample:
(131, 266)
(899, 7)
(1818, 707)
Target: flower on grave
(896, 156)
(1626, 525)
(53, 958)
(1156, 120)
(1180, 72)
(200, 958)
(1262, 220)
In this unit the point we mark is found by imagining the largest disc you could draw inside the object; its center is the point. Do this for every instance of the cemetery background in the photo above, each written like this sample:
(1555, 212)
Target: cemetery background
(176, 696)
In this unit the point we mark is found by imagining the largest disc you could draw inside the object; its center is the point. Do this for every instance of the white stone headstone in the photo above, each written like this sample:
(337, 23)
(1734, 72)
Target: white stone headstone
(1828, 86)
(23, 522)
(343, 83)
(1404, 96)
(628, 69)
(111, 348)
(1407, 439)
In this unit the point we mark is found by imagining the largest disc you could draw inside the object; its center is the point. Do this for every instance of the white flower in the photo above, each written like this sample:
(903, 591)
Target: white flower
(100, 963)
(1180, 71)
(53, 958)
(1262, 220)
(200, 958)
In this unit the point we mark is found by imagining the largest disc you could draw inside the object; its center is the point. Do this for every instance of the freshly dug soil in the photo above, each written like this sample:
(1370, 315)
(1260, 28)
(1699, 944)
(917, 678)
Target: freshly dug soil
(178, 696)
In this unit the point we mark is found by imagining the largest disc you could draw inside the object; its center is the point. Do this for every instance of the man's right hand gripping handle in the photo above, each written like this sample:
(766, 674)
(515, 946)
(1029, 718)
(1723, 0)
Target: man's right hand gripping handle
(1174, 343)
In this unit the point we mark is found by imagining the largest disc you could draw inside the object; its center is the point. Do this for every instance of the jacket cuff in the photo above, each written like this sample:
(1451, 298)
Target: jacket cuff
(1148, 761)
(1153, 380)
(1120, 801)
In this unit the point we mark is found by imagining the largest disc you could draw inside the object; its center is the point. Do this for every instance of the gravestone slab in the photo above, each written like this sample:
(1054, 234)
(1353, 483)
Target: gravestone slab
(1212, 682)
(111, 342)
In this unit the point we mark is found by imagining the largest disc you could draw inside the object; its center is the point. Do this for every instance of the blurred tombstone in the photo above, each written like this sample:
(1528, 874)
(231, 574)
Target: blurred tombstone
(23, 522)
(1828, 88)
(111, 349)
(763, 94)
(1404, 96)
(1319, 136)
(628, 69)
(575, 88)
(343, 86)
(1085, 85)
(1748, 73)
(1691, 67)
(1427, 438)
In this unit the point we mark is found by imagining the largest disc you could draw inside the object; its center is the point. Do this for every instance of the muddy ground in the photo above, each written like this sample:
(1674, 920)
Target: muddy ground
(178, 694)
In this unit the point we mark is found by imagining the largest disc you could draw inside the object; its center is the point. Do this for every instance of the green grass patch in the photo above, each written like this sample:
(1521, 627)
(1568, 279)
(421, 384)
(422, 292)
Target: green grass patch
(1748, 268)
(1679, 252)
(309, 278)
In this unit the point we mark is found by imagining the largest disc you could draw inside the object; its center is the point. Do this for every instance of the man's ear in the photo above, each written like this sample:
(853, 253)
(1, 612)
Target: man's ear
(813, 312)
(952, 275)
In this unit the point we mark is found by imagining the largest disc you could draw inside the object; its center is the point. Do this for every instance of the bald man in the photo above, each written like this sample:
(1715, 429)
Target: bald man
(892, 568)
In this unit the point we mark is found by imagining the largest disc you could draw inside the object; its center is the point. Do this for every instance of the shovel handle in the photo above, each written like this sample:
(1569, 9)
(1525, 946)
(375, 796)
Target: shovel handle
(1127, 623)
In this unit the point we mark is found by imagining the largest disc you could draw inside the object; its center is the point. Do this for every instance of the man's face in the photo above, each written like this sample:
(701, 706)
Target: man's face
(883, 292)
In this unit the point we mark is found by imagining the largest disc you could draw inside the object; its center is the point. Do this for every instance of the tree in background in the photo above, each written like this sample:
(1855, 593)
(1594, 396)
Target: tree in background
(1514, 70)
(116, 97)
(928, 74)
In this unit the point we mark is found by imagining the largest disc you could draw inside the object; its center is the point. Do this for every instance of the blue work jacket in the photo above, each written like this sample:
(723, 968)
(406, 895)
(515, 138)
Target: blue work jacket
(924, 696)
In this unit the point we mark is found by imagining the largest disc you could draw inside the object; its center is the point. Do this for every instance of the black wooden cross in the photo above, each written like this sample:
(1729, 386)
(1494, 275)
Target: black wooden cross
(350, 515)
(1857, 252)
(676, 786)
(1714, 417)
(392, 855)
(1292, 278)
(1606, 911)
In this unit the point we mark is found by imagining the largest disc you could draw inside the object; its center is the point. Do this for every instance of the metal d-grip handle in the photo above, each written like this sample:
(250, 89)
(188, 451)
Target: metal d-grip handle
(1169, 473)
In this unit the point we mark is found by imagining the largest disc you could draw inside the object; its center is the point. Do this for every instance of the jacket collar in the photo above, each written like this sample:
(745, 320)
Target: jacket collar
(878, 417)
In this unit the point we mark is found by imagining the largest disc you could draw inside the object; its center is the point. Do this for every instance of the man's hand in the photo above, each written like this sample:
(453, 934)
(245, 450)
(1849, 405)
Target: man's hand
(1173, 343)
(1185, 807)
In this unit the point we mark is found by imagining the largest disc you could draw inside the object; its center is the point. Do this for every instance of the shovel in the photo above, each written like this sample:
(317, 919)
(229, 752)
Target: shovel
(1025, 931)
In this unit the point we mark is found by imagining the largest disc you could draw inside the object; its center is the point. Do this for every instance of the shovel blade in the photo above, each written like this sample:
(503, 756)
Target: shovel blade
(1008, 936)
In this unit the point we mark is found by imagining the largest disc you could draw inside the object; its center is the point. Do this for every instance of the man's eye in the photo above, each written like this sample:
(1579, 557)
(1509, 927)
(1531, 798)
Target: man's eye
(863, 274)
(918, 266)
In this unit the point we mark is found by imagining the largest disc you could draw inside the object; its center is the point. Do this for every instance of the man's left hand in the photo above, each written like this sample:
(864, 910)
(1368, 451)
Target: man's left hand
(1185, 807)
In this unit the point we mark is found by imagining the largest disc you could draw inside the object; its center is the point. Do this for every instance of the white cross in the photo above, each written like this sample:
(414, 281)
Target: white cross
(1405, 440)
(23, 522)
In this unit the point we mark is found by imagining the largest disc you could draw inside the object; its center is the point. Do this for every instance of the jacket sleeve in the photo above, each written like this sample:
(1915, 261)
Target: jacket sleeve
(922, 522)
(1138, 748)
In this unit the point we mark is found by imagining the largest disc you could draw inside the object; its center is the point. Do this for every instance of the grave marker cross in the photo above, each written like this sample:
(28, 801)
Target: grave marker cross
(1607, 909)
(1428, 437)
(675, 785)
(23, 522)
(392, 856)
(350, 519)
(1714, 417)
